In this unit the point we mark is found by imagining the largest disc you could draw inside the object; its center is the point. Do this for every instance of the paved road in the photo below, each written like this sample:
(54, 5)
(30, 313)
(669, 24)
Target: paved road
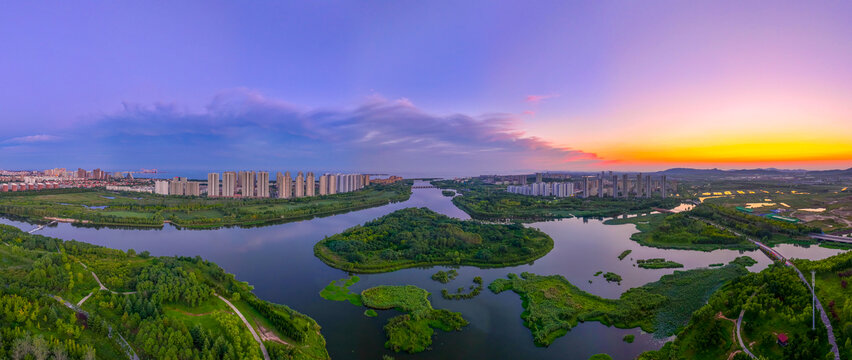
(104, 287)
(739, 326)
(822, 314)
(253, 333)
(80, 303)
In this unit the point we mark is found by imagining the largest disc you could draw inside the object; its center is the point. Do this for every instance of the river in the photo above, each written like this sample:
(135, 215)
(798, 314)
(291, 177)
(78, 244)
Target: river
(278, 261)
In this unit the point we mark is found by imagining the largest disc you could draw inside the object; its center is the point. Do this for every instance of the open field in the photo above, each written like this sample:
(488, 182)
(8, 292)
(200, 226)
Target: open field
(828, 207)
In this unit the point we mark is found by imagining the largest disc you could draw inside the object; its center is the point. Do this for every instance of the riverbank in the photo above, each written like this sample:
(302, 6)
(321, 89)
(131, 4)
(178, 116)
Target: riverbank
(95, 207)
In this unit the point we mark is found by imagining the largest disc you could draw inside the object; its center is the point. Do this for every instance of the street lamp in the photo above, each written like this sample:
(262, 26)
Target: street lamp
(813, 300)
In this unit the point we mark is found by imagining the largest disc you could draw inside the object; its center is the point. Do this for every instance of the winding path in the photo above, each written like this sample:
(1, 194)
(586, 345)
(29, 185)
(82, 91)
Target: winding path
(739, 326)
(788, 263)
(253, 333)
(128, 350)
(102, 285)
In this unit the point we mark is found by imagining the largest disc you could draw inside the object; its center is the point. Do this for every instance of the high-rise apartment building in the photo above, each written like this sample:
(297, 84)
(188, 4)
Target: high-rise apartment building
(161, 187)
(177, 186)
(284, 184)
(229, 184)
(639, 185)
(263, 184)
(663, 186)
(614, 185)
(323, 185)
(332, 184)
(213, 185)
(310, 185)
(240, 177)
(648, 186)
(300, 185)
(247, 182)
(192, 188)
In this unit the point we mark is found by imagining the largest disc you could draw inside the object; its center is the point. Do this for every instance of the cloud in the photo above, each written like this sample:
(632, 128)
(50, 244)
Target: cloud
(535, 99)
(242, 128)
(31, 139)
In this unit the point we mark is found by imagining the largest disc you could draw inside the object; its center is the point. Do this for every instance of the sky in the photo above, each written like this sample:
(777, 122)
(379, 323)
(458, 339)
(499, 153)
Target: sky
(426, 87)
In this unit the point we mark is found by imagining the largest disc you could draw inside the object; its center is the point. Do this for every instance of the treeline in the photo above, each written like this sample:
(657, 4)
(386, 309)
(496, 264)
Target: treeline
(493, 203)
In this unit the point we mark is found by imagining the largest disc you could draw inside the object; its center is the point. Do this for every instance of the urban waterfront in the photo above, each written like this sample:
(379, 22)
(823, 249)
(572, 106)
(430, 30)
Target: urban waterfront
(278, 261)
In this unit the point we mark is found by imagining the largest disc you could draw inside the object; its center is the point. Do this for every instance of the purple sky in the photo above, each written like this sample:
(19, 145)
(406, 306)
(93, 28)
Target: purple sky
(415, 87)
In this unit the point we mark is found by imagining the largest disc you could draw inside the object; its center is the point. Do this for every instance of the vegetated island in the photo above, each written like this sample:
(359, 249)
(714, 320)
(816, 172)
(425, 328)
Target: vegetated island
(448, 193)
(658, 263)
(338, 290)
(411, 332)
(491, 202)
(420, 237)
(459, 295)
(553, 306)
(98, 207)
(444, 277)
(612, 277)
(54, 303)
(773, 301)
(624, 254)
(679, 231)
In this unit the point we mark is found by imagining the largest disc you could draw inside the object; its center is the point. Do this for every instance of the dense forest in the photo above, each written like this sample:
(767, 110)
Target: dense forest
(419, 236)
(155, 307)
(490, 202)
(98, 207)
(553, 306)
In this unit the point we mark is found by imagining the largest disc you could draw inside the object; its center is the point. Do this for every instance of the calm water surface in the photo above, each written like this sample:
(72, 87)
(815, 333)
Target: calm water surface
(278, 260)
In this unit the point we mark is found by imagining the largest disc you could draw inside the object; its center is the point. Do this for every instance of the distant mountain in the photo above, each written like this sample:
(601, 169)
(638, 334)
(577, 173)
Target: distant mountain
(847, 172)
(745, 172)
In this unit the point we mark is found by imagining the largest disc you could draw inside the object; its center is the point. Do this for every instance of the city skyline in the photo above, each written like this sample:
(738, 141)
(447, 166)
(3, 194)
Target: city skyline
(585, 87)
